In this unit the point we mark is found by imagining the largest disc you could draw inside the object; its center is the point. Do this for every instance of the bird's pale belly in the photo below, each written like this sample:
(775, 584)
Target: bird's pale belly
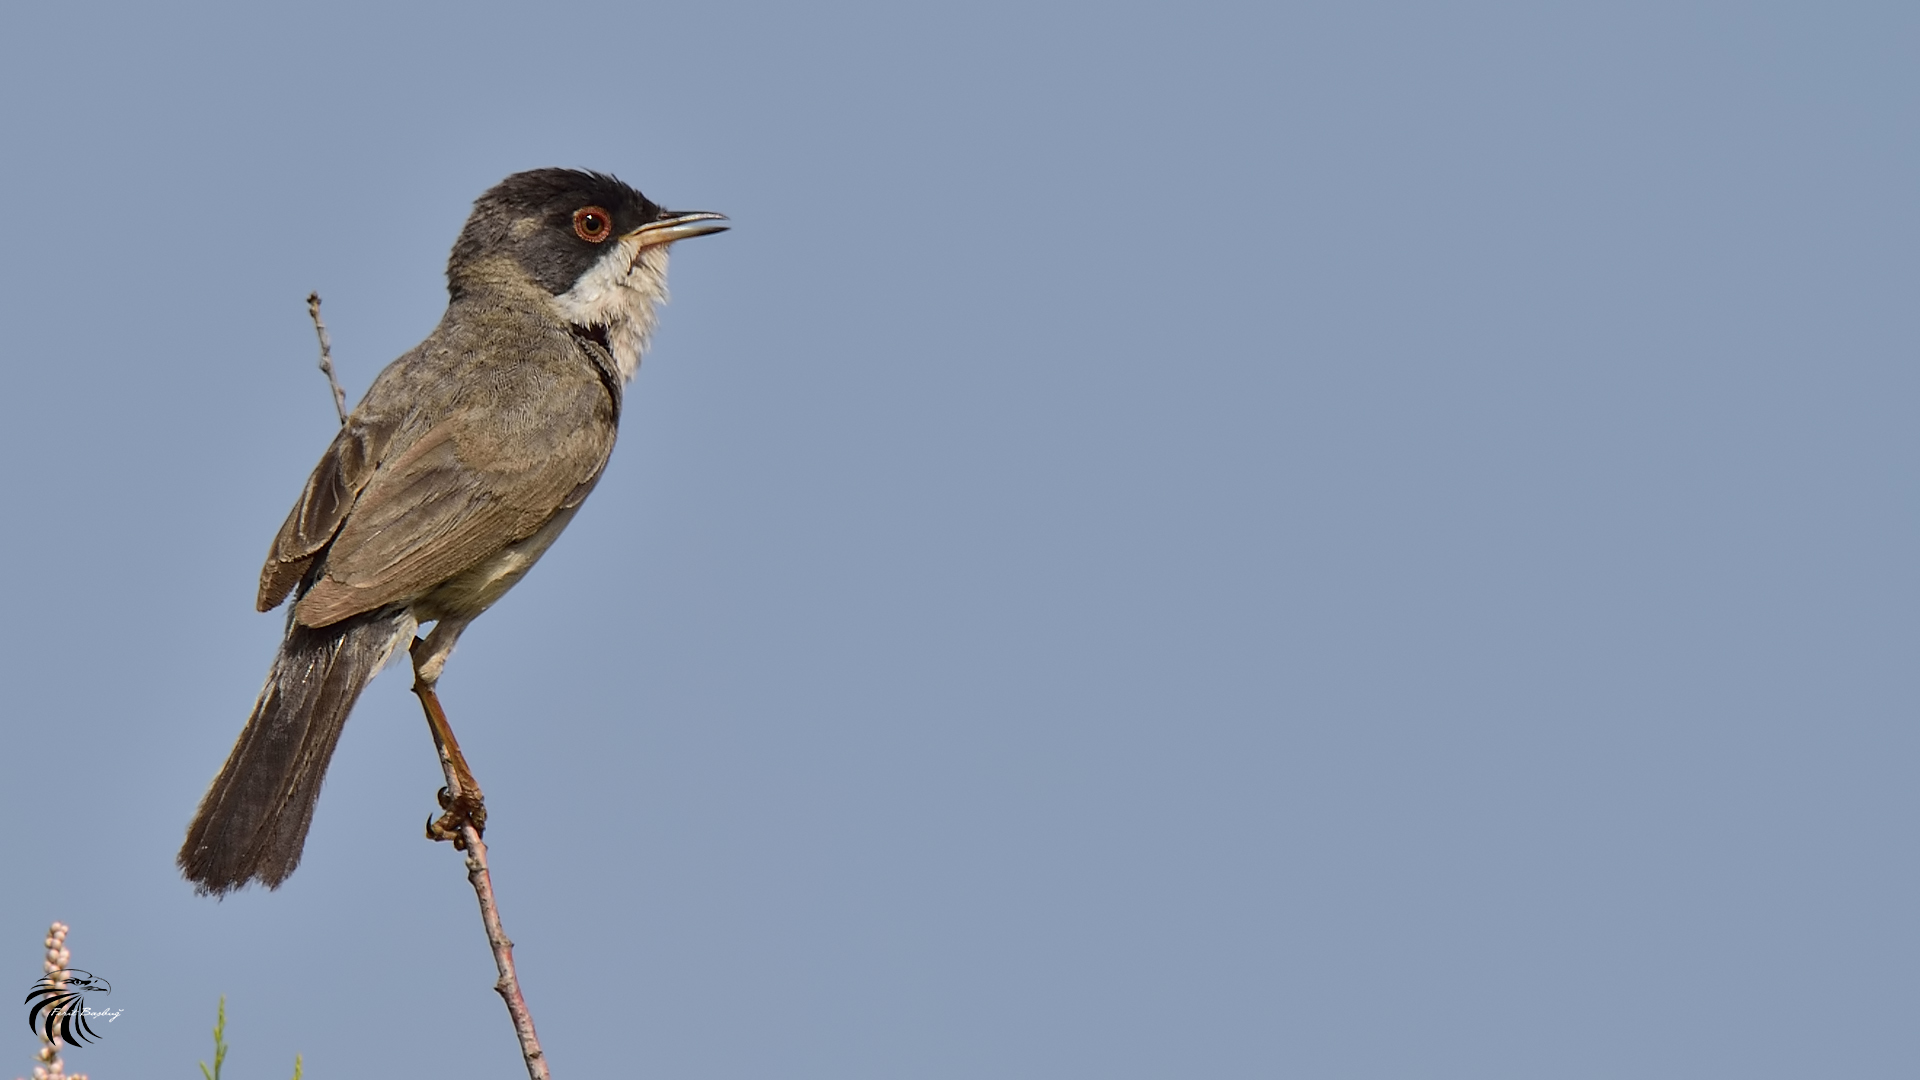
(473, 591)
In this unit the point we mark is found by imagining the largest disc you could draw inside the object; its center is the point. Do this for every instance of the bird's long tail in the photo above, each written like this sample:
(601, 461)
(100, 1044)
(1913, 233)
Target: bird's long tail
(253, 822)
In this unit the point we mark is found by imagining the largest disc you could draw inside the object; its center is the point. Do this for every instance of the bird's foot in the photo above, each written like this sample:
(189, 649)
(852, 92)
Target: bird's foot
(461, 810)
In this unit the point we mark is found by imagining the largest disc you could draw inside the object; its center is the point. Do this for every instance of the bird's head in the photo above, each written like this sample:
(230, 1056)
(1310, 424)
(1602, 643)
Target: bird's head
(593, 244)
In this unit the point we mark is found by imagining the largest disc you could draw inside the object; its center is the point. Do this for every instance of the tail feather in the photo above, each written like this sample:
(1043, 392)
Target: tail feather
(253, 822)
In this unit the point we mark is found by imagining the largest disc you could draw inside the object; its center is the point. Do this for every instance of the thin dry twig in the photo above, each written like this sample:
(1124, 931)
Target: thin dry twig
(452, 767)
(326, 357)
(508, 985)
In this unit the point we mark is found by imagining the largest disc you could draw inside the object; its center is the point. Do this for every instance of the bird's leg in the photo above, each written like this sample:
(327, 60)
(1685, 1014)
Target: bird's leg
(461, 798)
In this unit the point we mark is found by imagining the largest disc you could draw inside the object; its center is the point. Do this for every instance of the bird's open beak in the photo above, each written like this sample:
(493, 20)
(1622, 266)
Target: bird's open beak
(677, 225)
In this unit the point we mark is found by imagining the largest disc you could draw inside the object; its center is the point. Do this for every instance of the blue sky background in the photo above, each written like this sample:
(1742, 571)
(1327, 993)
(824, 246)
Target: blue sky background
(1354, 540)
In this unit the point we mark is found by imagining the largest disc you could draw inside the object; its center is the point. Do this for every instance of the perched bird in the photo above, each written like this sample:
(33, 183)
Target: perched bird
(464, 461)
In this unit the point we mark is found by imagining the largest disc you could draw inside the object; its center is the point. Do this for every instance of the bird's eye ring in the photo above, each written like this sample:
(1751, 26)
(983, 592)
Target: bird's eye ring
(592, 224)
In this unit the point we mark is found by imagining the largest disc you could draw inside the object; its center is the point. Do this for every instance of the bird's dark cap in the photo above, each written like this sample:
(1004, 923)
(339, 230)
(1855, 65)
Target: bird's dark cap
(543, 221)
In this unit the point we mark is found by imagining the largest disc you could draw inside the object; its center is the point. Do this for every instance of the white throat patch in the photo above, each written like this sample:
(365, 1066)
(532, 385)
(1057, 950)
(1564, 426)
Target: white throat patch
(619, 293)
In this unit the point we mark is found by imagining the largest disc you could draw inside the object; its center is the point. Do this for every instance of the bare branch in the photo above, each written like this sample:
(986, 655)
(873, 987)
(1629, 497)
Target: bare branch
(326, 357)
(465, 806)
(508, 985)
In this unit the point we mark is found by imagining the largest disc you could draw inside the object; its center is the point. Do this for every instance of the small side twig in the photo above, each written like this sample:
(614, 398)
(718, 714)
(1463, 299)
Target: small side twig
(326, 357)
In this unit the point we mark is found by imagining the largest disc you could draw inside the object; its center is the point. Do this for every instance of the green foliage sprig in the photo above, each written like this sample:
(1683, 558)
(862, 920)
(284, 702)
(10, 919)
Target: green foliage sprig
(220, 1048)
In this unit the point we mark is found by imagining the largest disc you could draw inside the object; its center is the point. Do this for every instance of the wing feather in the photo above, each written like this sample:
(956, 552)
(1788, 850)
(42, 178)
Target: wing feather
(350, 461)
(465, 489)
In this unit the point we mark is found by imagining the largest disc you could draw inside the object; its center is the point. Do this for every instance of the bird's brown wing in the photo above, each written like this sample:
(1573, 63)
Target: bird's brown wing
(344, 470)
(467, 487)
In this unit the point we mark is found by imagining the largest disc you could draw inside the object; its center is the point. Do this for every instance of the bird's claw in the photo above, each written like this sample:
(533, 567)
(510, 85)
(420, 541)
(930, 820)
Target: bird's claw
(460, 813)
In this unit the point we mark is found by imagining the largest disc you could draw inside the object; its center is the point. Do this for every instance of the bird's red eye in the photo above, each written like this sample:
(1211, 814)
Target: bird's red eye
(592, 224)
